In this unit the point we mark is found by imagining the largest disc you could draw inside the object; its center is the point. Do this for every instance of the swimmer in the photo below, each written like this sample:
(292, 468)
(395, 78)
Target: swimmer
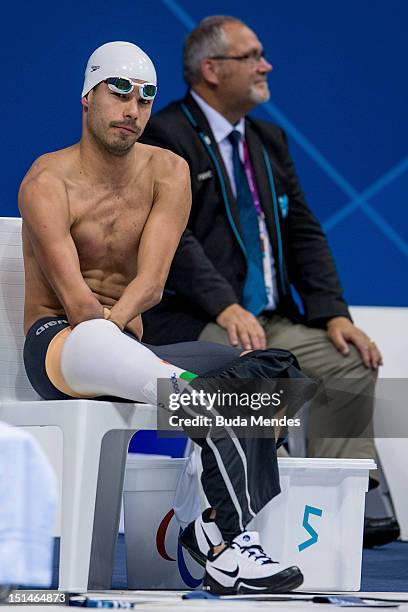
(102, 220)
(101, 223)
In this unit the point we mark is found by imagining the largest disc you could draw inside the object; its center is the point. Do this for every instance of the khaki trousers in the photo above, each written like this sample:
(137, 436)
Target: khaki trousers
(318, 357)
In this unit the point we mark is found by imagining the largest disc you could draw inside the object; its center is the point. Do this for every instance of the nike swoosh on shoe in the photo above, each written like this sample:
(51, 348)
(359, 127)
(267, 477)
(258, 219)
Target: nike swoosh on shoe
(210, 544)
(226, 572)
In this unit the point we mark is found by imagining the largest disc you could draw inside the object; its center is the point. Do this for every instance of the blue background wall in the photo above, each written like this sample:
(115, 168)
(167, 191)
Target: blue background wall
(339, 87)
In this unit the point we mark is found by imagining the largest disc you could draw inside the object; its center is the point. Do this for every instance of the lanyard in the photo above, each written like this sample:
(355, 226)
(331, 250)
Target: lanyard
(251, 181)
(207, 144)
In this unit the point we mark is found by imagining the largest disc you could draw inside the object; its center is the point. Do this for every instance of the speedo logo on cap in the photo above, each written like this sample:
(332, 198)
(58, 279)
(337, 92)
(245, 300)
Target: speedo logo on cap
(93, 68)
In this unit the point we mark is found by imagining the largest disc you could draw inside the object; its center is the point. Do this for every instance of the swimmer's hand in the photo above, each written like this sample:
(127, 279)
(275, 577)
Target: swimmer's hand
(135, 326)
(77, 315)
(107, 314)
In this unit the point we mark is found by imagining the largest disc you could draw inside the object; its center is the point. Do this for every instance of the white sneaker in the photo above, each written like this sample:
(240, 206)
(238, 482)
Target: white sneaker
(200, 536)
(243, 567)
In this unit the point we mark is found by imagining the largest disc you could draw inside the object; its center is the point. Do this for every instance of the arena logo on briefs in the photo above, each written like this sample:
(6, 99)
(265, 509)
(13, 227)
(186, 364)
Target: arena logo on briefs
(187, 578)
(50, 324)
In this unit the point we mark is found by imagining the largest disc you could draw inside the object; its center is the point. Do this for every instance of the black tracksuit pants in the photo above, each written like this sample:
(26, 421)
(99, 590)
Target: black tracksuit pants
(239, 476)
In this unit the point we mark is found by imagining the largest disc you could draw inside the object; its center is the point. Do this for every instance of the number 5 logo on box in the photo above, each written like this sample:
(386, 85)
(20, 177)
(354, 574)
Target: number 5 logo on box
(313, 534)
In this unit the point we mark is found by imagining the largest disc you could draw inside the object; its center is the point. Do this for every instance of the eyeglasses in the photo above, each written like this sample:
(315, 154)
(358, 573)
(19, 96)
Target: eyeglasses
(123, 85)
(254, 57)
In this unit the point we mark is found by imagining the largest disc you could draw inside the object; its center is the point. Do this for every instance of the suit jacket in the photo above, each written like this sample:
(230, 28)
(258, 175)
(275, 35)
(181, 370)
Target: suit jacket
(209, 268)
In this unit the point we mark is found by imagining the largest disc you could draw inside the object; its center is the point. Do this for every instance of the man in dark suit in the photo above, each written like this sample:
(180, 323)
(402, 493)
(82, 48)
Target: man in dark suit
(251, 236)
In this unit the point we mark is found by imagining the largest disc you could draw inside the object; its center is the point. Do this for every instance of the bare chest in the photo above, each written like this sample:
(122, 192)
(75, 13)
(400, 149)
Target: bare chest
(107, 225)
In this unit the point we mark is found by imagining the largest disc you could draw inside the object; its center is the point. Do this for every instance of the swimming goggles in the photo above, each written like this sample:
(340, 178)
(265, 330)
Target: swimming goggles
(123, 85)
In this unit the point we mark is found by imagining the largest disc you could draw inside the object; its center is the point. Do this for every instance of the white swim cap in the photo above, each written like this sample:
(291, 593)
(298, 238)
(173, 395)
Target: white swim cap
(118, 59)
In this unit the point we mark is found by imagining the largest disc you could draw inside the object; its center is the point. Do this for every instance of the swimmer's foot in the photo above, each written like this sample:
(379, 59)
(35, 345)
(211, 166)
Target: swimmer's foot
(244, 567)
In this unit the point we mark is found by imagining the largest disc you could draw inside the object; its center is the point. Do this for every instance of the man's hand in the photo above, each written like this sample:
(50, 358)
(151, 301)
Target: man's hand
(107, 314)
(341, 330)
(135, 326)
(242, 327)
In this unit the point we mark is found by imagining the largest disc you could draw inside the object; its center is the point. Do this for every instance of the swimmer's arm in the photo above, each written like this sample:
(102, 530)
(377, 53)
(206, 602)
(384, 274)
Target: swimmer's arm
(160, 237)
(44, 208)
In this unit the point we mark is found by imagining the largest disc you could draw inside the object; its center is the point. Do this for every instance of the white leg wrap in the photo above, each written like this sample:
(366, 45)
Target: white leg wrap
(98, 359)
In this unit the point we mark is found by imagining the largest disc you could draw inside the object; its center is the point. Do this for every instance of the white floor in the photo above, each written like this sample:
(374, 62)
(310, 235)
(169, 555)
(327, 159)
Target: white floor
(171, 600)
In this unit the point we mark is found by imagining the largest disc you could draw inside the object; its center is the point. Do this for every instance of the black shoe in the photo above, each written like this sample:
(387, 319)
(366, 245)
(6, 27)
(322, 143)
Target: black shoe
(200, 536)
(243, 567)
(380, 531)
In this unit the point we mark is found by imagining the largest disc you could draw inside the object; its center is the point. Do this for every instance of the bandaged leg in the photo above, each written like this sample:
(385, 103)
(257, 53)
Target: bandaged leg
(96, 359)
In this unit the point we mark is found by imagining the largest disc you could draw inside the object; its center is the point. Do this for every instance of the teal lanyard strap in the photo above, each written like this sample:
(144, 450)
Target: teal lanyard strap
(211, 153)
(276, 215)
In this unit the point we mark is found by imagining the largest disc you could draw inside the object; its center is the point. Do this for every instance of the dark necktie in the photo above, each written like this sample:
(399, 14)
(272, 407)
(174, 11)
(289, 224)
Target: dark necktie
(254, 293)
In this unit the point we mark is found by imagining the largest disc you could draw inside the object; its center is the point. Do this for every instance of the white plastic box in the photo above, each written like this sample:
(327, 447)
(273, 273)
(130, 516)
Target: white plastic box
(154, 558)
(315, 523)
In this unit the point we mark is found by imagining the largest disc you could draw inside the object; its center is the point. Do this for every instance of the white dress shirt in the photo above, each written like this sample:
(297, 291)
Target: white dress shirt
(221, 129)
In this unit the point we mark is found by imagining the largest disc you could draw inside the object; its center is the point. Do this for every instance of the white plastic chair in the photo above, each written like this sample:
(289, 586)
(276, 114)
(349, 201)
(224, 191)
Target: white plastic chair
(96, 435)
(388, 326)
